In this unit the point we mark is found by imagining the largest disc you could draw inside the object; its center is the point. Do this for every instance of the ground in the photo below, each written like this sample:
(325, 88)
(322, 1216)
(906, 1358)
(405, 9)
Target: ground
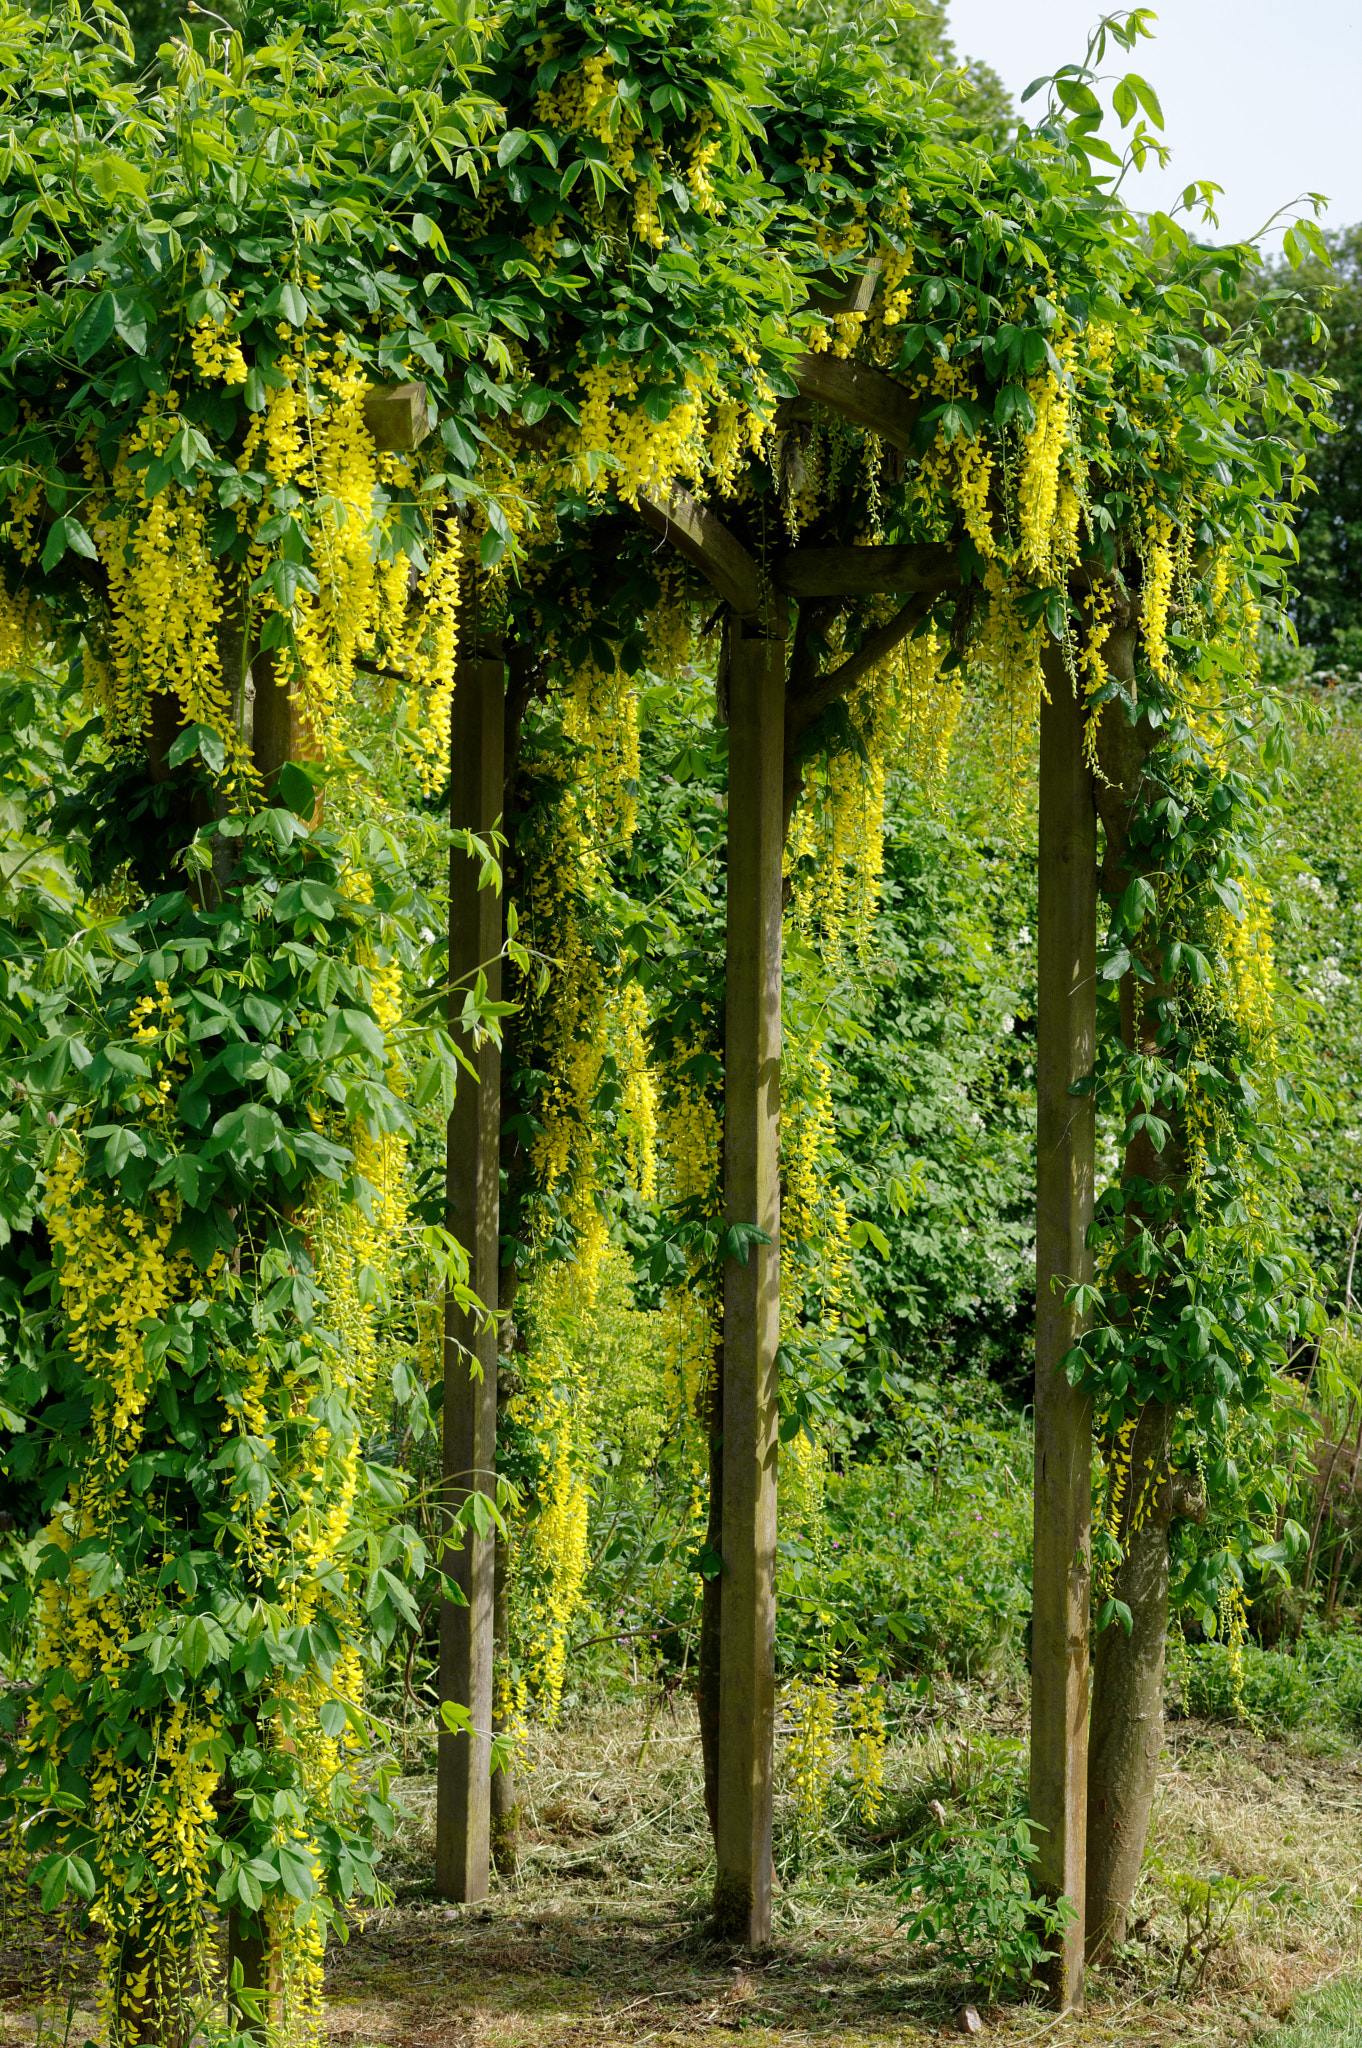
(601, 1938)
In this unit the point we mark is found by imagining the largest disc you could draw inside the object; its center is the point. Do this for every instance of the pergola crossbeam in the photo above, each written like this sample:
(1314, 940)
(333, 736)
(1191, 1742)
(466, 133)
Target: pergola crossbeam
(806, 573)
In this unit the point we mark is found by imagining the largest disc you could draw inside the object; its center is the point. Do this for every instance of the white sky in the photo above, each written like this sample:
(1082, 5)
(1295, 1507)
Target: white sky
(1259, 96)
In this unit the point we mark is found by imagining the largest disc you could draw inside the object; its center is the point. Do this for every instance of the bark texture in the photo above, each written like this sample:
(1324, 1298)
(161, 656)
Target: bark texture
(1126, 1730)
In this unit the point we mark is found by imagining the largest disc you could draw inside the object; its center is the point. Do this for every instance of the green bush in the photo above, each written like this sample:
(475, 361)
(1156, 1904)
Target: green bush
(1274, 1690)
(921, 1562)
(1336, 1669)
(974, 1904)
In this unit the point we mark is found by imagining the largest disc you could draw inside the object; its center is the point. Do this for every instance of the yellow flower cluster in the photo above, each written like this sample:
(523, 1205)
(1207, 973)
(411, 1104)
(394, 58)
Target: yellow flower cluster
(364, 613)
(116, 1270)
(811, 1712)
(865, 1712)
(116, 1273)
(557, 1402)
(588, 101)
(1252, 989)
(639, 1096)
(647, 222)
(216, 351)
(698, 181)
(1038, 485)
(1158, 587)
(891, 304)
(165, 592)
(691, 1130)
(23, 629)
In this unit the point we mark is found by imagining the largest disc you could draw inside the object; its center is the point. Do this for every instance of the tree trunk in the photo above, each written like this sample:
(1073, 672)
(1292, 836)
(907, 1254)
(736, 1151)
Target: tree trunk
(1126, 1735)
(149, 1997)
(249, 1943)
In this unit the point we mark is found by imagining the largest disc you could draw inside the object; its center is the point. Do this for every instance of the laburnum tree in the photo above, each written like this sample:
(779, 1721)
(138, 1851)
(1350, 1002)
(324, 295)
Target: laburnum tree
(352, 370)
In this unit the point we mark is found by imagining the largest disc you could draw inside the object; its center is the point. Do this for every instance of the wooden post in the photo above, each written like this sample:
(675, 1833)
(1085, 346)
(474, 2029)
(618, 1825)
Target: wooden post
(258, 1954)
(463, 1800)
(1066, 1032)
(756, 727)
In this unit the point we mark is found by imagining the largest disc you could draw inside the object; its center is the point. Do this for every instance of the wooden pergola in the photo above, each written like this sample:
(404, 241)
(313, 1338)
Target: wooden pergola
(766, 718)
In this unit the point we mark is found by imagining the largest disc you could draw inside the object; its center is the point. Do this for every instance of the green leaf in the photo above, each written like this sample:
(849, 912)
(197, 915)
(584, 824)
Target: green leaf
(203, 741)
(1146, 95)
(202, 1639)
(67, 532)
(130, 320)
(512, 143)
(293, 303)
(333, 1718)
(295, 1869)
(94, 327)
(362, 1026)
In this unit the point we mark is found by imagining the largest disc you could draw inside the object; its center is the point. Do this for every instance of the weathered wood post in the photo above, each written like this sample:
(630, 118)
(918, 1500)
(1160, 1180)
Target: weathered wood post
(463, 1798)
(1066, 1031)
(756, 717)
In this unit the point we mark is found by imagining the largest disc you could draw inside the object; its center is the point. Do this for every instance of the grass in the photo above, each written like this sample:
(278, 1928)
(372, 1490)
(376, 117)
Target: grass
(602, 1937)
(1331, 2018)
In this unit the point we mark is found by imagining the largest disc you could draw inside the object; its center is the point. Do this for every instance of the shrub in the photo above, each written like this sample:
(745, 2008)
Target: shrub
(1271, 1691)
(975, 1905)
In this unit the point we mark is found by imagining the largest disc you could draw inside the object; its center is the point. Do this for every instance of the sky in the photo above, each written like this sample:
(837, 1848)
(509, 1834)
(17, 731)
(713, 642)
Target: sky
(1261, 97)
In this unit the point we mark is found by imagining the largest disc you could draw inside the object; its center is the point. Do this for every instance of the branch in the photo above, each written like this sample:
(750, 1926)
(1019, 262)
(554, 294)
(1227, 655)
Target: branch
(801, 713)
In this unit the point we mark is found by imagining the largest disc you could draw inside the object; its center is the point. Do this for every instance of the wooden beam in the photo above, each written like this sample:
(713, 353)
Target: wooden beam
(828, 296)
(866, 571)
(756, 701)
(701, 536)
(1065, 1176)
(866, 396)
(463, 1793)
(398, 416)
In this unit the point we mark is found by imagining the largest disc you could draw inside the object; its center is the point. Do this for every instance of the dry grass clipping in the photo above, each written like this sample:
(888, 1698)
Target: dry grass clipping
(602, 1937)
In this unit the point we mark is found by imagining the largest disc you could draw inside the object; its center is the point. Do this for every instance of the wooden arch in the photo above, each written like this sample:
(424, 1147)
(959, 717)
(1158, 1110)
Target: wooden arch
(767, 714)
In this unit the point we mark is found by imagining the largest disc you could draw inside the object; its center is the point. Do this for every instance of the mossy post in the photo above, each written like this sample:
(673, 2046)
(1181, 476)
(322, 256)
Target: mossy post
(756, 722)
(1065, 1174)
(463, 1808)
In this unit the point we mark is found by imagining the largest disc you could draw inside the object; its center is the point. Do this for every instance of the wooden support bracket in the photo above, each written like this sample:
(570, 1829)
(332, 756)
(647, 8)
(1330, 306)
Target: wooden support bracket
(866, 571)
(866, 396)
(701, 536)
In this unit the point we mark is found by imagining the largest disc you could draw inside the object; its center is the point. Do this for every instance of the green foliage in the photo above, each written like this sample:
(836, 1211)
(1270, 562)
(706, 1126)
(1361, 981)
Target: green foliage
(916, 1560)
(1264, 1687)
(934, 1080)
(272, 1065)
(1319, 330)
(1316, 871)
(1202, 1290)
(976, 1907)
